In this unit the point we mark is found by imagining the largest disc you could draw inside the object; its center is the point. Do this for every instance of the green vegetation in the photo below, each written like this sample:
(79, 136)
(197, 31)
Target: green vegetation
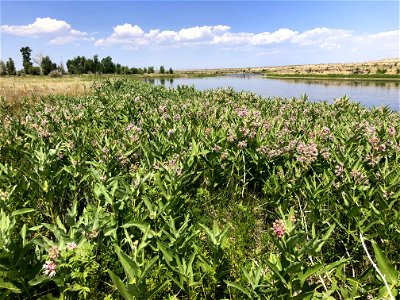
(135, 191)
(378, 76)
(78, 65)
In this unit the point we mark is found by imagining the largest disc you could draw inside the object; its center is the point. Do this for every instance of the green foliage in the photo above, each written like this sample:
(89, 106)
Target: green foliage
(26, 59)
(47, 65)
(10, 67)
(137, 191)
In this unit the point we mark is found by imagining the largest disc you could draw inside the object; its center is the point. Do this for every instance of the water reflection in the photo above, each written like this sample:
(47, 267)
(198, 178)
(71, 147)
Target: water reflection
(353, 83)
(369, 93)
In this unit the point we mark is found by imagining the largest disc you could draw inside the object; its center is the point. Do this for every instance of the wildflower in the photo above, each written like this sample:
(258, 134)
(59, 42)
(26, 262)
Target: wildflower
(170, 132)
(71, 246)
(359, 177)
(3, 194)
(242, 112)
(54, 252)
(391, 131)
(231, 136)
(339, 170)
(224, 155)
(293, 219)
(50, 268)
(325, 153)
(177, 118)
(242, 144)
(216, 148)
(307, 153)
(129, 127)
(279, 228)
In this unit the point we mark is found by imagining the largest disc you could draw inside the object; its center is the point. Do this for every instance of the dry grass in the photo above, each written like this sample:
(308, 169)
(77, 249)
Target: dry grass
(17, 88)
(16, 92)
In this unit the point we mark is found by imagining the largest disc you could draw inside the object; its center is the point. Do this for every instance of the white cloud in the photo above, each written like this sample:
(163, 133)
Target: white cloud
(132, 36)
(324, 37)
(127, 30)
(59, 31)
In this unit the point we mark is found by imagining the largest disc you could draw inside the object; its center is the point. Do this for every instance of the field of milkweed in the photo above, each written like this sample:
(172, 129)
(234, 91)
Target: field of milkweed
(136, 191)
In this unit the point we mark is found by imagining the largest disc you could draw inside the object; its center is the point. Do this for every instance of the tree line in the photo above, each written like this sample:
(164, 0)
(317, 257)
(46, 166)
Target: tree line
(77, 65)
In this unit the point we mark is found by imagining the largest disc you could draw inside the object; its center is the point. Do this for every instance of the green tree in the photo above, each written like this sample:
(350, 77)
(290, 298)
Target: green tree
(47, 65)
(108, 65)
(150, 70)
(26, 59)
(96, 64)
(2, 68)
(162, 70)
(10, 67)
(170, 71)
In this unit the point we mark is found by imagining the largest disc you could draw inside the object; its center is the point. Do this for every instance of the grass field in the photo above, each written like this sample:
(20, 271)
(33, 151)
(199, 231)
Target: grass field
(126, 190)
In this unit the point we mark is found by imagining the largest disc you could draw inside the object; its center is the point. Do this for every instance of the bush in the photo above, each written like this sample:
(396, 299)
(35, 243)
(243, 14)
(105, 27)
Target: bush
(34, 70)
(55, 73)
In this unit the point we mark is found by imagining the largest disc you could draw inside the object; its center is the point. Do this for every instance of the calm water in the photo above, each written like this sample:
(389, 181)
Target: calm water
(369, 93)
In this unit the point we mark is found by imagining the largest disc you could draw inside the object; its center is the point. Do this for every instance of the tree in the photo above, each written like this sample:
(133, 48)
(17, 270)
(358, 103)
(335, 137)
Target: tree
(108, 65)
(2, 68)
(150, 70)
(26, 59)
(170, 71)
(47, 65)
(162, 70)
(10, 67)
(96, 64)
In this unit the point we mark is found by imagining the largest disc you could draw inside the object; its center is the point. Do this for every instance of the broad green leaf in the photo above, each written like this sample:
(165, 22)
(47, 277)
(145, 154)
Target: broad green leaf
(38, 280)
(384, 265)
(239, 287)
(120, 286)
(9, 286)
(22, 211)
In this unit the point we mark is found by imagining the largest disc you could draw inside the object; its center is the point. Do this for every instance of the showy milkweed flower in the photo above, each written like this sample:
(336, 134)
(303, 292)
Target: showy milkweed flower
(50, 268)
(279, 228)
(71, 246)
(242, 144)
(391, 131)
(339, 169)
(170, 132)
(54, 252)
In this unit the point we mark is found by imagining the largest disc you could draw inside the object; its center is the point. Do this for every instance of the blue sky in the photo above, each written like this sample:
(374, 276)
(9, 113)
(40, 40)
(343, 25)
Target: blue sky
(202, 34)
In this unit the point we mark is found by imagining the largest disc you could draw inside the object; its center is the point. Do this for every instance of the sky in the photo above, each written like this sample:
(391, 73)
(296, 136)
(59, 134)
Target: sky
(202, 34)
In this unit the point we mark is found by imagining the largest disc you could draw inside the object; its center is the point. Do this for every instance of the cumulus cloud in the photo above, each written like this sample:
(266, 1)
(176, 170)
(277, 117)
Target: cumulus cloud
(185, 36)
(132, 36)
(59, 32)
(324, 37)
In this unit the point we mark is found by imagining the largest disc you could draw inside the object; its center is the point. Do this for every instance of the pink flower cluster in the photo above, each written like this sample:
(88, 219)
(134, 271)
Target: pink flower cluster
(50, 268)
(279, 228)
(307, 153)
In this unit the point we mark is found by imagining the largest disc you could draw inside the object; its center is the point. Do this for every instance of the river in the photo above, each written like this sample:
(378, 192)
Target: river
(368, 93)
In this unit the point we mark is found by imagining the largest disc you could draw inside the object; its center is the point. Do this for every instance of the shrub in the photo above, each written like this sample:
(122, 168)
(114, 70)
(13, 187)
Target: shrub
(55, 73)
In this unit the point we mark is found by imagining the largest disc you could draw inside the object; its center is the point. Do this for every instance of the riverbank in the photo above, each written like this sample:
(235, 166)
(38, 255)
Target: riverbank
(372, 77)
(388, 69)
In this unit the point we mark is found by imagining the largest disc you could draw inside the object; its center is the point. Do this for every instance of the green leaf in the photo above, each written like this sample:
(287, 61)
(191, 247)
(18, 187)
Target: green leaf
(9, 286)
(167, 254)
(157, 289)
(239, 287)
(384, 265)
(130, 266)
(22, 211)
(39, 279)
(120, 286)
